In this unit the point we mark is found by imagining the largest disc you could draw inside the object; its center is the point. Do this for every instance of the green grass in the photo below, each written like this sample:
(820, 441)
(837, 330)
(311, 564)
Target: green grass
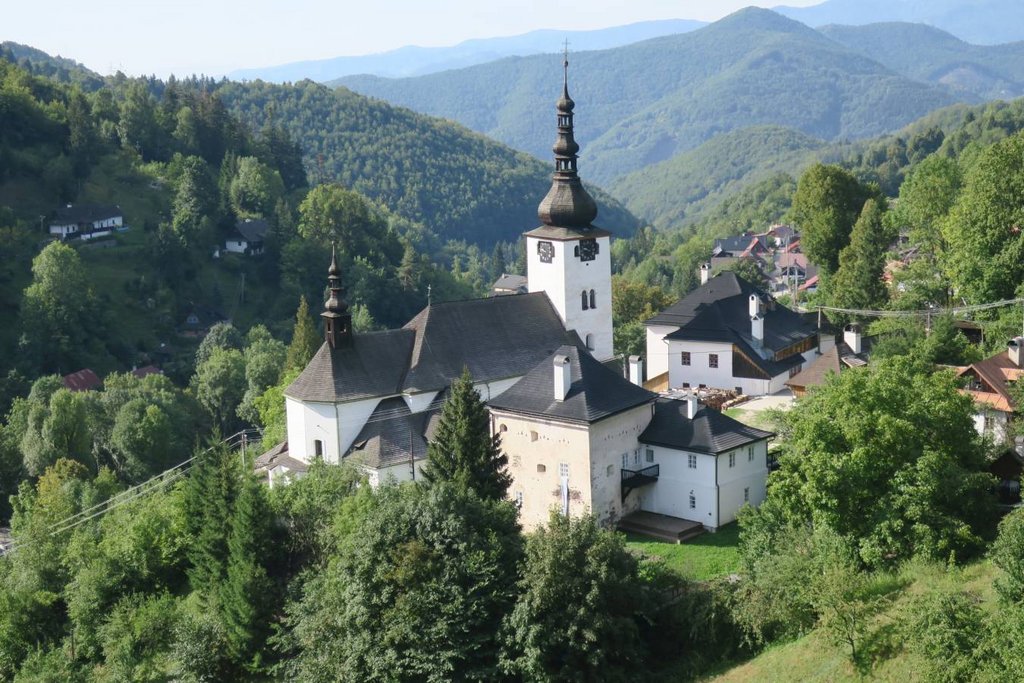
(705, 557)
(814, 657)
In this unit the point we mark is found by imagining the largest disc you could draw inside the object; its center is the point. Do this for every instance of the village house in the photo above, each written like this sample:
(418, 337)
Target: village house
(579, 436)
(247, 237)
(988, 383)
(86, 221)
(852, 351)
(728, 334)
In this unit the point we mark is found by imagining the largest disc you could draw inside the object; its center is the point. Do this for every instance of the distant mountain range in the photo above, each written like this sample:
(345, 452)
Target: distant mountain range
(982, 22)
(930, 55)
(418, 61)
(646, 102)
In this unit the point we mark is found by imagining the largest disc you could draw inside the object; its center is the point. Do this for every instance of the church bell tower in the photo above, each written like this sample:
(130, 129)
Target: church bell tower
(568, 257)
(337, 317)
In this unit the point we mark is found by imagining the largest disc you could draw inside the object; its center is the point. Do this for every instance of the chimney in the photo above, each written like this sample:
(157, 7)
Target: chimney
(1014, 349)
(636, 370)
(692, 406)
(755, 305)
(563, 376)
(705, 273)
(757, 329)
(852, 337)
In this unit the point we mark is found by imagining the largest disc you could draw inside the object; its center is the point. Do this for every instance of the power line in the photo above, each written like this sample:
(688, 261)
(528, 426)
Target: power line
(956, 310)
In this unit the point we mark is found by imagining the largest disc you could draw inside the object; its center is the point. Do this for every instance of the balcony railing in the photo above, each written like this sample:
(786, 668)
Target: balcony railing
(633, 479)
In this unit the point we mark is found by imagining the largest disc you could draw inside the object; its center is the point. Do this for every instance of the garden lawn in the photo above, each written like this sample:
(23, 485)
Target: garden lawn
(705, 557)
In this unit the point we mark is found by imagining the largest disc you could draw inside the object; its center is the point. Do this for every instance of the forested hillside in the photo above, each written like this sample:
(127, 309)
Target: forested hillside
(460, 184)
(643, 103)
(929, 55)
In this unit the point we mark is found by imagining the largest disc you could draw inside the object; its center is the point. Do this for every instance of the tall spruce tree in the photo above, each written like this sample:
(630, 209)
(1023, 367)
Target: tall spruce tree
(210, 496)
(858, 282)
(464, 451)
(305, 338)
(245, 593)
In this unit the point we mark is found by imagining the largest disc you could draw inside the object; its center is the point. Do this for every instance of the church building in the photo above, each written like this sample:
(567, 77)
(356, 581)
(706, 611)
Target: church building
(579, 436)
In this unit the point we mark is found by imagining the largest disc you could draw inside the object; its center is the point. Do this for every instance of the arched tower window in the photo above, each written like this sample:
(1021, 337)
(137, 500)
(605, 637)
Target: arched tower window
(593, 299)
(583, 299)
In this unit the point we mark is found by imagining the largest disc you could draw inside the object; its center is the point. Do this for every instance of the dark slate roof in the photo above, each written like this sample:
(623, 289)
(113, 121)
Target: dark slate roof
(373, 365)
(390, 431)
(596, 392)
(85, 213)
(739, 244)
(496, 338)
(252, 229)
(278, 457)
(709, 431)
(719, 310)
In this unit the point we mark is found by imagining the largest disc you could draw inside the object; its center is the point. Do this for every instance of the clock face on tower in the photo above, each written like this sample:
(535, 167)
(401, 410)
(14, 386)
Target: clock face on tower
(546, 251)
(588, 249)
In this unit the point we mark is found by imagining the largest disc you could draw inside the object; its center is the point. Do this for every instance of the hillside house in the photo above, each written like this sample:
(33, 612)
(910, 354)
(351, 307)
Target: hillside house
(86, 221)
(510, 284)
(852, 351)
(728, 334)
(248, 237)
(82, 380)
(988, 383)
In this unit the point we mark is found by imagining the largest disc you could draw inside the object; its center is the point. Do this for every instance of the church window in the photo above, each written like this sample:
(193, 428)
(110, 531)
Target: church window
(584, 299)
(590, 342)
(318, 448)
(542, 469)
(593, 299)
(712, 360)
(685, 356)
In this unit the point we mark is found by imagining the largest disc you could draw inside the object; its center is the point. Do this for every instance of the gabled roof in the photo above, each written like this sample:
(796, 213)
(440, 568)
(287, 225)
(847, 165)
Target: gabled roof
(389, 433)
(251, 229)
(596, 391)
(85, 213)
(740, 244)
(83, 380)
(509, 283)
(373, 365)
(278, 457)
(838, 358)
(996, 373)
(708, 432)
(496, 338)
(719, 310)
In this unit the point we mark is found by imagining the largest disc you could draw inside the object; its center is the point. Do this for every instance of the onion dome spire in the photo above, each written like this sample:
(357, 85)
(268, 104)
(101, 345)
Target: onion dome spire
(567, 204)
(337, 318)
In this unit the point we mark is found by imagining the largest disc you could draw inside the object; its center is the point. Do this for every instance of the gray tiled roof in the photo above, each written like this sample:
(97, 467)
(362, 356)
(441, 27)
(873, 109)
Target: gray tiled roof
(389, 433)
(372, 366)
(719, 310)
(708, 432)
(85, 213)
(252, 230)
(496, 338)
(596, 392)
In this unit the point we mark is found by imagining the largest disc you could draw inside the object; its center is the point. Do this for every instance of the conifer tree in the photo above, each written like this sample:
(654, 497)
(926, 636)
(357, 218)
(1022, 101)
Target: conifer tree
(464, 451)
(305, 339)
(858, 282)
(210, 496)
(244, 594)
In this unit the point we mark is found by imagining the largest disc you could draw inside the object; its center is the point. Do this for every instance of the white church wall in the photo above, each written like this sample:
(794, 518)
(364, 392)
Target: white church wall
(307, 423)
(614, 447)
(352, 417)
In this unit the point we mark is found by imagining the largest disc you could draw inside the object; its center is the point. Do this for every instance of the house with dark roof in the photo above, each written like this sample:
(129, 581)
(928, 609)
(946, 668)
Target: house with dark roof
(510, 284)
(728, 334)
(580, 437)
(988, 383)
(86, 221)
(247, 237)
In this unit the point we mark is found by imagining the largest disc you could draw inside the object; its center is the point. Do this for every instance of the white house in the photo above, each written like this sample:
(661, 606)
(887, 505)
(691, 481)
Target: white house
(988, 383)
(728, 334)
(580, 437)
(248, 237)
(86, 221)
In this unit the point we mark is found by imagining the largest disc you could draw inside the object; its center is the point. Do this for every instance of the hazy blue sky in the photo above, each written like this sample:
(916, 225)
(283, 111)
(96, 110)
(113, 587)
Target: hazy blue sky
(216, 36)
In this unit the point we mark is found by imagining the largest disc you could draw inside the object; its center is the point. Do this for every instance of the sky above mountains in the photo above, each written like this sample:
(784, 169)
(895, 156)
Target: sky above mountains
(161, 37)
